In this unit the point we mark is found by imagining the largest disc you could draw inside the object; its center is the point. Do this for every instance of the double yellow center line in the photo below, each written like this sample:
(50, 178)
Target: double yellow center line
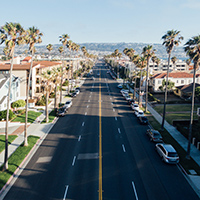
(100, 145)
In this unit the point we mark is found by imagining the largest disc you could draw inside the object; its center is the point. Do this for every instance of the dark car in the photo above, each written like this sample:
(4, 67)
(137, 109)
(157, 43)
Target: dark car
(131, 101)
(73, 94)
(154, 135)
(143, 120)
(62, 111)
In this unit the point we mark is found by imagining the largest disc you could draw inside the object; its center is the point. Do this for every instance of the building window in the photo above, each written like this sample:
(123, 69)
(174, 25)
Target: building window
(159, 82)
(17, 94)
(177, 81)
(38, 80)
(37, 89)
(182, 81)
(190, 81)
(37, 71)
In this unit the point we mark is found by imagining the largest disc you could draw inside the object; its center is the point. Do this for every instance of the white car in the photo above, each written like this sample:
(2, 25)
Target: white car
(123, 90)
(139, 113)
(135, 107)
(68, 104)
(127, 97)
(167, 153)
(125, 94)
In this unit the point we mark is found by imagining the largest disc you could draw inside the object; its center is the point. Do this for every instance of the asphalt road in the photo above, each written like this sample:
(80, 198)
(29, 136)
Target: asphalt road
(68, 166)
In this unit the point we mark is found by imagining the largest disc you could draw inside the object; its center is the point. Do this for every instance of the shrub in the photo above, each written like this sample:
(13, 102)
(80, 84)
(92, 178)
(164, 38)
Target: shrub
(18, 104)
(3, 114)
(65, 83)
(52, 95)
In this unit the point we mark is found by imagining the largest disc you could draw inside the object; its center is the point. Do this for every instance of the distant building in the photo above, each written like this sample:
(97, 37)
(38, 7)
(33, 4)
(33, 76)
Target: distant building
(179, 78)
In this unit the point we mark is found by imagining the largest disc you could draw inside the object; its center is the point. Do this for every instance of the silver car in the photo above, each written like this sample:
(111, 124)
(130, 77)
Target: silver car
(167, 153)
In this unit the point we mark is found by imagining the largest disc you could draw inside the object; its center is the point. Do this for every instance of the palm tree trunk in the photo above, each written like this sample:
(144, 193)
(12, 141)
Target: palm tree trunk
(46, 107)
(55, 100)
(134, 95)
(191, 113)
(147, 84)
(165, 99)
(68, 81)
(5, 166)
(61, 81)
(27, 95)
(139, 100)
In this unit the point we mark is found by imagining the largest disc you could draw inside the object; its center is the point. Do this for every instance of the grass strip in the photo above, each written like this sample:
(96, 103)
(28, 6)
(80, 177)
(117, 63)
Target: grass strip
(2, 141)
(168, 139)
(52, 116)
(32, 115)
(16, 159)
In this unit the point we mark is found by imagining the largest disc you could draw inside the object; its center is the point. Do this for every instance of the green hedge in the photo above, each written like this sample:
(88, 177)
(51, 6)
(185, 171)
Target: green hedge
(4, 113)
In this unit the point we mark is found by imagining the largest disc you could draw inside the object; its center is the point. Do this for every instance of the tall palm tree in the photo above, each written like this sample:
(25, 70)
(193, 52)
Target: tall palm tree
(188, 62)
(33, 37)
(12, 34)
(148, 52)
(61, 49)
(6, 52)
(153, 58)
(49, 48)
(140, 63)
(56, 74)
(47, 78)
(157, 62)
(63, 39)
(170, 39)
(192, 49)
(174, 59)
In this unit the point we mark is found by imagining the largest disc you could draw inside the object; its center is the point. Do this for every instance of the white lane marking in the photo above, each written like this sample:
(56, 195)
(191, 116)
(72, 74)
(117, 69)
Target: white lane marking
(119, 130)
(88, 100)
(92, 86)
(123, 148)
(134, 190)
(85, 113)
(113, 110)
(112, 103)
(79, 138)
(110, 97)
(67, 186)
(90, 96)
(87, 106)
(83, 123)
(116, 118)
(74, 161)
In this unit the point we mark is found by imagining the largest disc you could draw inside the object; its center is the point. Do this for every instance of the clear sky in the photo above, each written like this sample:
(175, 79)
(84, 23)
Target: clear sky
(105, 20)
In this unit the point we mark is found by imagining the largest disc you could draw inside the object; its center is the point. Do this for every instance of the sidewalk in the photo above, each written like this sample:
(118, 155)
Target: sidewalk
(183, 142)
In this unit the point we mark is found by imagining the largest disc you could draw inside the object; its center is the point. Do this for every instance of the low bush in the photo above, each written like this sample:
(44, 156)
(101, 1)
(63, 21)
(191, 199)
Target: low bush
(4, 113)
(18, 104)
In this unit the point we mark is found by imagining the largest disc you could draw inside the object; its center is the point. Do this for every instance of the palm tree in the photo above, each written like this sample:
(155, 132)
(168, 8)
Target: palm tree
(33, 37)
(49, 48)
(188, 62)
(148, 52)
(170, 39)
(47, 78)
(56, 74)
(6, 52)
(174, 59)
(61, 49)
(192, 49)
(63, 39)
(153, 58)
(157, 62)
(12, 34)
(140, 63)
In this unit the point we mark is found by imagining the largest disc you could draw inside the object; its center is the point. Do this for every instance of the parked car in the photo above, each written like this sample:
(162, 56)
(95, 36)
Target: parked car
(143, 120)
(123, 90)
(135, 107)
(130, 101)
(120, 86)
(77, 91)
(127, 97)
(139, 113)
(68, 104)
(167, 153)
(73, 94)
(62, 111)
(154, 135)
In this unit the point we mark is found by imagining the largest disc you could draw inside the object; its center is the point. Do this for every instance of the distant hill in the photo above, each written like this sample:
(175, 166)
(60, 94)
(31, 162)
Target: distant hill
(108, 48)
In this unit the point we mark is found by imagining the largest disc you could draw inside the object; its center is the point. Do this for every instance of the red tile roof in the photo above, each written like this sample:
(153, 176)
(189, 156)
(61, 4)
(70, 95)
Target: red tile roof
(174, 75)
(26, 66)
(28, 58)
